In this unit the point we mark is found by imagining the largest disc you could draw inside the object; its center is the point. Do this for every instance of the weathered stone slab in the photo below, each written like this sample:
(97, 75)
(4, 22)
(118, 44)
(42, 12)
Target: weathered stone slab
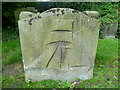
(58, 44)
(110, 30)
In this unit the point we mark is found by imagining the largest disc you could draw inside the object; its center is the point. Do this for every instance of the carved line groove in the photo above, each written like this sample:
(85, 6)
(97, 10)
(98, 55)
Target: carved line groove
(63, 54)
(61, 58)
(61, 31)
(52, 56)
(59, 41)
(72, 29)
(80, 66)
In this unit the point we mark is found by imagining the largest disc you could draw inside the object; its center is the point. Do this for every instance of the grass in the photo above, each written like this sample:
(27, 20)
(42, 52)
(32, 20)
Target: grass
(11, 52)
(107, 51)
(0, 65)
(105, 71)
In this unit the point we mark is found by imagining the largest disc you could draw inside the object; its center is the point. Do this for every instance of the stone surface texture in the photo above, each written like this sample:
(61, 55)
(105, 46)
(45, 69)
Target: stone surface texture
(93, 14)
(58, 44)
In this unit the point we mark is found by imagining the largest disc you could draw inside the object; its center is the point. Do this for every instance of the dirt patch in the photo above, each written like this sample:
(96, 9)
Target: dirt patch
(13, 75)
(114, 64)
(13, 69)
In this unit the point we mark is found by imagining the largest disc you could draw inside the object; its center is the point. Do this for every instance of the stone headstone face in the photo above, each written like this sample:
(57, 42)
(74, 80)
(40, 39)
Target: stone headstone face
(58, 44)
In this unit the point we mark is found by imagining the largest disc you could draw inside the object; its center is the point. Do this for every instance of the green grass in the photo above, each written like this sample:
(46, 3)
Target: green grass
(107, 51)
(105, 70)
(16, 81)
(11, 52)
(0, 65)
(105, 77)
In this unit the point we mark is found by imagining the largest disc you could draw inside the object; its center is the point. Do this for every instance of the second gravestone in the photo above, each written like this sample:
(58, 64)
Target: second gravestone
(58, 44)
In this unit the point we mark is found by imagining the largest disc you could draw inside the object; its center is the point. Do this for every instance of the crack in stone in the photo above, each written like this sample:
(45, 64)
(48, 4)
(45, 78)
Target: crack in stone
(89, 68)
(72, 29)
(61, 58)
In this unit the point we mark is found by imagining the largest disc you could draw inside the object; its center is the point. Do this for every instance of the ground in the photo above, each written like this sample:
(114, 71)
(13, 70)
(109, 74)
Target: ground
(105, 70)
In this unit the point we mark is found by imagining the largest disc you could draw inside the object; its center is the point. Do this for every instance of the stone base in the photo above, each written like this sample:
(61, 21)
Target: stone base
(70, 75)
(109, 36)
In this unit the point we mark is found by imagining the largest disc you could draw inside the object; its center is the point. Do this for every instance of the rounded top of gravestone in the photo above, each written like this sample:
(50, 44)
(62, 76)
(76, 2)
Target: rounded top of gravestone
(59, 11)
(62, 11)
(50, 12)
(92, 14)
(25, 9)
(26, 14)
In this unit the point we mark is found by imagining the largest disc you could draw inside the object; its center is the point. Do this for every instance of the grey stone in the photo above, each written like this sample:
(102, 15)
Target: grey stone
(58, 44)
(93, 14)
(110, 30)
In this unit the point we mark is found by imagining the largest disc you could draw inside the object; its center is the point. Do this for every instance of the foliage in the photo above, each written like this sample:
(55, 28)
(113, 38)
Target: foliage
(11, 52)
(8, 9)
(107, 51)
(9, 33)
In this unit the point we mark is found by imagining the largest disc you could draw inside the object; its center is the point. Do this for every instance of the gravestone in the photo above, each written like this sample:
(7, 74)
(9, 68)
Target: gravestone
(58, 44)
(110, 30)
